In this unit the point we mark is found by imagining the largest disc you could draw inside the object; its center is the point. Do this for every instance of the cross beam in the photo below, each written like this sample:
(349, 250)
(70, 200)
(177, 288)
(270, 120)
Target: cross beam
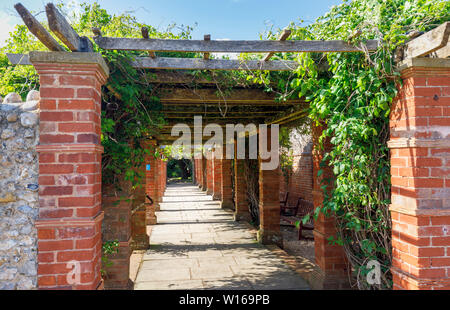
(211, 64)
(238, 46)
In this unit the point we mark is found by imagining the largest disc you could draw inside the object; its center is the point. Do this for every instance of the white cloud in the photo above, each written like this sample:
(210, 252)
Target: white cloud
(8, 24)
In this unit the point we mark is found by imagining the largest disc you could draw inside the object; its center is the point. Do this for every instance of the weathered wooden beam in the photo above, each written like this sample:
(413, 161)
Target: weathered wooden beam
(37, 29)
(64, 31)
(144, 31)
(209, 95)
(211, 64)
(283, 37)
(428, 42)
(219, 46)
(19, 59)
(207, 37)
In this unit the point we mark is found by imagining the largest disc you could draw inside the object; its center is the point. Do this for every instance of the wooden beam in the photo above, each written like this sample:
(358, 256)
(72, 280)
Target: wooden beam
(207, 37)
(209, 95)
(212, 64)
(19, 59)
(144, 31)
(37, 29)
(283, 37)
(64, 31)
(428, 42)
(219, 46)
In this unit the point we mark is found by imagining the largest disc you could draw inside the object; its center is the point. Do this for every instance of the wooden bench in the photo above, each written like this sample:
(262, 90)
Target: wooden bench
(295, 214)
(285, 200)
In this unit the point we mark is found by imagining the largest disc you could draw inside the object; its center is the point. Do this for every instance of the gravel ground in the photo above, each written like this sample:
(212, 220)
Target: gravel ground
(295, 247)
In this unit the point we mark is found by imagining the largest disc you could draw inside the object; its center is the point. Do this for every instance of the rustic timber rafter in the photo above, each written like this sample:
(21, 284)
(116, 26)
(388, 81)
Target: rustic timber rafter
(238, 46)
(37, 29)
(283, 37)
(64, 31)
(436, 40)
(211, 64)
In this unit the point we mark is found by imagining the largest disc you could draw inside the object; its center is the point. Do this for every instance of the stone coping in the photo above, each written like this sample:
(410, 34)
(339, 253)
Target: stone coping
(424, 62)
(70, 58)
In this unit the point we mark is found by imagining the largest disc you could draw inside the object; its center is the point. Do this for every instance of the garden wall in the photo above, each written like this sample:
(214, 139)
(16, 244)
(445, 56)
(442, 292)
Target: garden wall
(19, 201)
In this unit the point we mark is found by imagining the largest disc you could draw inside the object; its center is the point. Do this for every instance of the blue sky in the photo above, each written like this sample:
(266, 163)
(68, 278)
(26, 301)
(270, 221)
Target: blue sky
(223, 19)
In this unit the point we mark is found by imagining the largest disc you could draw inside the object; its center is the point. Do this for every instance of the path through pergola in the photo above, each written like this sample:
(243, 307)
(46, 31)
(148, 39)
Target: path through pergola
(197, 245)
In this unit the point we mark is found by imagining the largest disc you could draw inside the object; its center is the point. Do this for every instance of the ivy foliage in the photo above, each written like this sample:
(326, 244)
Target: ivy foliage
(351, 100)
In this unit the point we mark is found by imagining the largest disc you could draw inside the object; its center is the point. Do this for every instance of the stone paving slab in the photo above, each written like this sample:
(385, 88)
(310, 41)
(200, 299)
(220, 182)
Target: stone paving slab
(198, 245)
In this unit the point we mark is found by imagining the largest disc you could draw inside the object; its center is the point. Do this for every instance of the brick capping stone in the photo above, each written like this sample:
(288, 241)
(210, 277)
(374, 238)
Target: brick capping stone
(70, 58)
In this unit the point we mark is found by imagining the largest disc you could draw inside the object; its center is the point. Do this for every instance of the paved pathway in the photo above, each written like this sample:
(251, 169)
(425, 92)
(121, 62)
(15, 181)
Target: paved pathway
(197, 245)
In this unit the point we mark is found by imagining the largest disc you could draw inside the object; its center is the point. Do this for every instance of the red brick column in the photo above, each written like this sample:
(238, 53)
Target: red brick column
(161, 179)
(70, 216)
(420, 161)
(241, 211)
(140, 238)
(196, 176)
(164, 176)
(330, 258)
(117, 226)
(209, 174)
(151, 187)
(269, 202)
(217, 186)
(226, 193)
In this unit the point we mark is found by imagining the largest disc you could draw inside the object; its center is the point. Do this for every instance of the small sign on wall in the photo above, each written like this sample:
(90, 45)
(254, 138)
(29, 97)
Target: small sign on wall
(148, 167)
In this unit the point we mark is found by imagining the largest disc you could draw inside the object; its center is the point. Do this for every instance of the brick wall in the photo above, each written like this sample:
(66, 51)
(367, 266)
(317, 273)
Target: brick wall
(301, 180)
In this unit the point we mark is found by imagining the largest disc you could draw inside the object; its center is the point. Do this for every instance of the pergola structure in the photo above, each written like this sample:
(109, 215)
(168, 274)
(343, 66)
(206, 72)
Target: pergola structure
(70, 145)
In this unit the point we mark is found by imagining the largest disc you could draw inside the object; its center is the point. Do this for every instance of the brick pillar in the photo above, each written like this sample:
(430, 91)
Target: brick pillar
(269, 202)
(203, 172)
(117, 227)
(157, 176)
(160, 180)
(241, 211)
(217, 187)
(209, 173)
(140, 239)
(420, 161)
(164, 177)
(330, 258)
(226, 193)
(151, 187)
(70, 216)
